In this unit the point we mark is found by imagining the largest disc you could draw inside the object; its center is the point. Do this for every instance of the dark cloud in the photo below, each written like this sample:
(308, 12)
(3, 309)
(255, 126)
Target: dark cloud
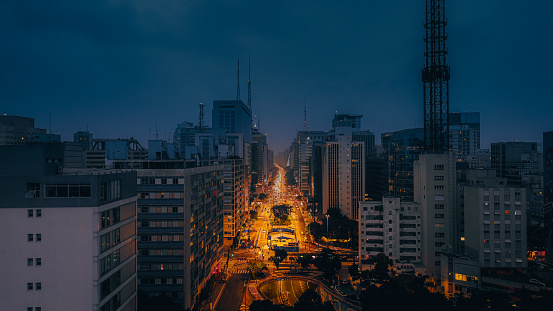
(124, 66)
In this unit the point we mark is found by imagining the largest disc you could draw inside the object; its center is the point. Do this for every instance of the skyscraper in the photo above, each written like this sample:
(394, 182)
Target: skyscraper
(464, 133)
(512, 160)
(434, 181)
(180, 229)
(231, 116)
(548, 193)
(402, 148)
(343, 173)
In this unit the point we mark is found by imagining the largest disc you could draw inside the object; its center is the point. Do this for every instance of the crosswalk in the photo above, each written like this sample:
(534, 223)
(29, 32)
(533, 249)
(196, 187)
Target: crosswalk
(238, 271)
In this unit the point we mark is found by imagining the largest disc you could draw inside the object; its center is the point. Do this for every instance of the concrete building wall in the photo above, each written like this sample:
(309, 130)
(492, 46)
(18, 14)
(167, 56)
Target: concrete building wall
(434, 184)
(391, 227)
(496, 226)
(343, 174)
(63, 255)
(58, 240)
(180, 230)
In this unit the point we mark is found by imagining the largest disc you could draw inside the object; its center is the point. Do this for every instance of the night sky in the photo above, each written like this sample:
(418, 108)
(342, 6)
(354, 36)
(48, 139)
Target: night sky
(122, 67)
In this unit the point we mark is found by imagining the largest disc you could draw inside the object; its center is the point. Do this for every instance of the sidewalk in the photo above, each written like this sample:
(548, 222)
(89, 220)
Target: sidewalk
(214, 297)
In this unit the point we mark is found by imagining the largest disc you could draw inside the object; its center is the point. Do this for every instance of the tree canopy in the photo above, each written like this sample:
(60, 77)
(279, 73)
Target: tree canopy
(280, 255)
(328, 262)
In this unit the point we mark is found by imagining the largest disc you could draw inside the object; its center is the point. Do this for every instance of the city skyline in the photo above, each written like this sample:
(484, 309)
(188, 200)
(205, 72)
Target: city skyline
(91, 65)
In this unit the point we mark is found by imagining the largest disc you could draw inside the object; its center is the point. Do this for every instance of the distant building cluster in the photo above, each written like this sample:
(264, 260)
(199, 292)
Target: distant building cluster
(435, 212)
(158, 220)
(92, 222)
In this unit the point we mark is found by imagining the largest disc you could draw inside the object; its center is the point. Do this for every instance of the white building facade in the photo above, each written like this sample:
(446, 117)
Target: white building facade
(71, 241)
(343, 174)
(434, 184)
(391, 227)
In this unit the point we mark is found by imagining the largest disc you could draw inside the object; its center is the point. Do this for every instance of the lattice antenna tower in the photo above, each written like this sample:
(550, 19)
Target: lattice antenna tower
(435, 77)
(238, 81)
(201, 117)
(305, 127)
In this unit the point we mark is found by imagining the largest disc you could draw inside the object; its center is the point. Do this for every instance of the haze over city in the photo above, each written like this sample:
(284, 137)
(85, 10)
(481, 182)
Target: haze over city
(121, 69)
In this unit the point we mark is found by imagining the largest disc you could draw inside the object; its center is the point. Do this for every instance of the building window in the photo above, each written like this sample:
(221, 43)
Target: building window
(110, 190)
(30, 262)
(38, 261)
(29, 237)
(38, 308)
(68, 190)
(29, 213)
(438, 167)
(38, 237)
(38, 286)
(33, 190)
(29, 308)
(438, 177)
(38, 213)
(29, 286)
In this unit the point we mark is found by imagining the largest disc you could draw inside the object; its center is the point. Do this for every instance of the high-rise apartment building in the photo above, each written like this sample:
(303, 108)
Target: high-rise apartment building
(548, 193)
(495, 226)
(343, 173)
(235, 200)
(376, 178)
(474, 178)
(70, 234)
(231, 116)
(434, 185)
(180, 229)
(512, 160)
(306, 140)
(259, 157)
(391, 227)
(464, 133)
(402, 148)
(185, 136)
